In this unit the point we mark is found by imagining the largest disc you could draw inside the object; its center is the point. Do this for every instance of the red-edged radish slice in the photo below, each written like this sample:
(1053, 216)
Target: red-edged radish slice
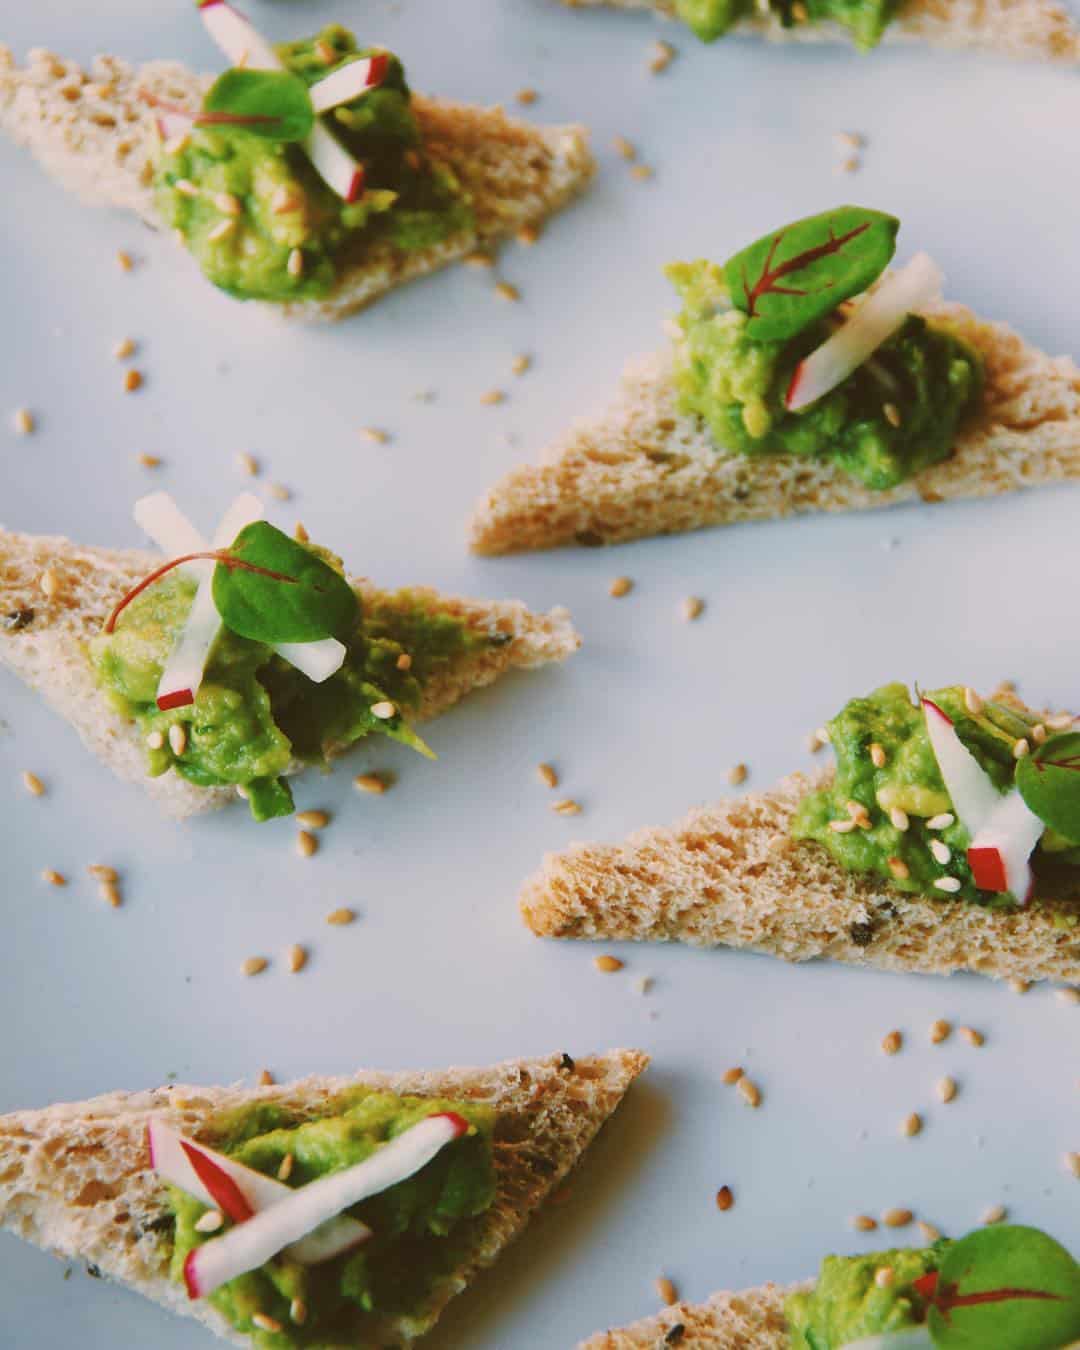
(317, 660)
(159, 517)
(334, 164)
(999, 854)
(227, 1195)
(877, 316)
(349, 82)
(170, 1157)
(249, 1245)
(970, 787)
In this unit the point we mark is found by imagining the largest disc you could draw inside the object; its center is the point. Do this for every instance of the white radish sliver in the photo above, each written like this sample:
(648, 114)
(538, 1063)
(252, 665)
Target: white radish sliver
(344, 85)
(317, 660)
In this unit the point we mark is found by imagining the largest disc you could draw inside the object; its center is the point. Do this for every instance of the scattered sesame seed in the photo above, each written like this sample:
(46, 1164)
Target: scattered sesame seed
(23, 421)
(221, 230)
(227, 203)
(946, 1089)
(1072, 1163)
(49, 583)
(941, 822)
(1019, 986)
(643, 984)
(479, 260)
(1021, 749)
(492, 397)
(404, 661)
(284, 1172)
(749, 1091)
(642, 172)
(1068, 995)
(566, 807)
(663, 55)
(176, 144)
(620, 586)
(254, 965)
(265, 1323)
(863, 1223)
(209, 1222)
(186, 188)
(732, 1075)
(995, 1214)
(155, 740)
(928, 1231)
(248, 463)
(692, 608)
(526, 96)
(547, 775)
(892, 414)
(817, 740)
(892, 1042)
(897, 1218)
(339, 917)
(298, 1311)
(521, 364)
(300, 534)
(295, 265)
(877, 755)
(297, 958)
(54, 878)
(110, 893)
(102, 873)
(941, 852)
(848, 140)
(950, 885)
(940, 1031)
(667, 1291)
(370, 782)
(325, 52)
(624, 147)
(306, 843)
(848, 165)
(911, 1125)
(283, 201)
(383, 710)
(278, 491)
(33, 784)
(724, 1199)
(608, 965)
(375, 434)
(124, 261)
(313, 820)
(842, 826)
(885, 1277)
(133, 379)
(505, 291)
(148, 461)
(528, 234)
(899, 819)
(973, 1037)
(178, 738)
(1038, 733)
(266, 1078)
(899, 868)
(737, 774)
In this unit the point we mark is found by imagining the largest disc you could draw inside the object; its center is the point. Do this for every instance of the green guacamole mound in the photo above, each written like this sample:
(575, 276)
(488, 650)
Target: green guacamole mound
(421, 1227)
(866, 20)
(255, 714)
(846, 1303)
(911, 781)
(736, 384)
(408, 201)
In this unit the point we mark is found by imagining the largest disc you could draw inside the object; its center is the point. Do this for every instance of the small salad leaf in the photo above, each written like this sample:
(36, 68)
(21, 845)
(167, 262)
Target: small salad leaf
(1009, 1287)
(293, 596)
(1049, 782)
(274, 104)
(803, 271)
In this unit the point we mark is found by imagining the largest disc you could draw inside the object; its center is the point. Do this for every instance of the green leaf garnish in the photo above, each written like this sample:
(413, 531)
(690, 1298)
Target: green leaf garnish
(1049, 781)
(304, 600)
(1009, 1287)
(274, 104)
(798, 274)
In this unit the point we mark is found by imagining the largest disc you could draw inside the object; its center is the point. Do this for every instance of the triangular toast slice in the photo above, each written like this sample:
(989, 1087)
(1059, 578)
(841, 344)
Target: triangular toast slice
(731, 875)
(643, 468)
(76, 1180)
(48, 650)
(93, 132)
(1038, 29)
(752, 1319)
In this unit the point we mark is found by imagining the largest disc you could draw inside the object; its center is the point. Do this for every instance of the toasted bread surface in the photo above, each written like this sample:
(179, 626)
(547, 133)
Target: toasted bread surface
(750, 1320)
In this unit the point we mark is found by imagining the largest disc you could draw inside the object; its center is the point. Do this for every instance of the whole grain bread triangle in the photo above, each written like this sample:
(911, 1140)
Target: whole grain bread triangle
(94, 132)
(731, 875)
(750, 1320)
(48, 652)
(1038, 29)
(644, 468)
(75, 1178)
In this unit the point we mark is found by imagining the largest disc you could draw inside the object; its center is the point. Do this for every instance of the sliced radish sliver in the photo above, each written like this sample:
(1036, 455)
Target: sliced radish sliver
(170, 1160)
(334, 163)
(159, 517)
(1000, 853)
(249, 1245)
(970, 787)
(317, 660)
(877, 316)
(348, 83)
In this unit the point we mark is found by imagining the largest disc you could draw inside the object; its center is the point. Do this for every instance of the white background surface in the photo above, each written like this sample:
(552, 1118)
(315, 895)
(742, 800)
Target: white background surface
(977, 156)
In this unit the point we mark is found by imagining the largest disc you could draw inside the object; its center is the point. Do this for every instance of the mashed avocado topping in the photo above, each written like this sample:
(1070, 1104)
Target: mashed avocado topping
(888, 782)
(420, 1227)
(848, 1303)
(263, 224)
(895, 414)
(866, 20)
(255, 714)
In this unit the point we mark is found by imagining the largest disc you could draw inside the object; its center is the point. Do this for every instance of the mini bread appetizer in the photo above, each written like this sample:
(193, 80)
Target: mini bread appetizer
(802, 376)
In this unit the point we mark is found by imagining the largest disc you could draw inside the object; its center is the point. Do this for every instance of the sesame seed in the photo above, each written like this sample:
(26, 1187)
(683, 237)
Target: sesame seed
(298, 1311)
(885, 1277)
(49, 583)
(325, 52)
(892, 414)
(928, 1231)
(848, 140)
(642, 172)
(370, 782)
(863, 1223)
(620, 586)
(278, 491)
(941, 852)
(528, 234)
(566, 807)
(479, 260)
(1019, 986)
(221, 230)
(842, 826)
(298, 957)
(737, 774)
(156, 740)
(306, 843)
(897, 1218)
(666, 1291)
(900, 870)
(133, 380)
(375, 434)
(941, 822)
(1060, 722)
(124, 261)
(383, 710)
(266, 1078)
(123, 349)
(148, 461)
(284, 1172)
(848, 165)
(283, 201)
(724, 1199)
(946, 1089)
(178, 738)
(911, 1125)
(102, 873)
(176, 144)
(186, 188)
(547, 775)
(973, 1037)
(339, 917)
(23, 421)
(492, 397)
(1072, 1163)
(227, 203)
(54, 878)
(972, 702)
(877, 755)
(692, 608)
(815, 741)
(521, 364)
(1069, 995)
(732, 1075)
(608, 965)
(891, 1043)
(254, 965)
(33, 784)
(1021, 749)
(526, 96)
(295, 265)
(899, 819)
(404, 661)
(643, 984)
(265, 1323)
(507, 292)
(663, 55)
(248, 463)
(1038, 733)
(624, 147)
(110, 893)
(950, 885)
(209, 1222)
(749, 1091)
(313, 820)
(940, 1031)
(995, 1214)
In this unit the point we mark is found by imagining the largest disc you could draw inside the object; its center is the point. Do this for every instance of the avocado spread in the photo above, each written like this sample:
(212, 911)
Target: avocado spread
(893, 416)
(906, 831)
(847, 1303)
(866, 20)
(420, 1227)
(290, 233)
(254, 713)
